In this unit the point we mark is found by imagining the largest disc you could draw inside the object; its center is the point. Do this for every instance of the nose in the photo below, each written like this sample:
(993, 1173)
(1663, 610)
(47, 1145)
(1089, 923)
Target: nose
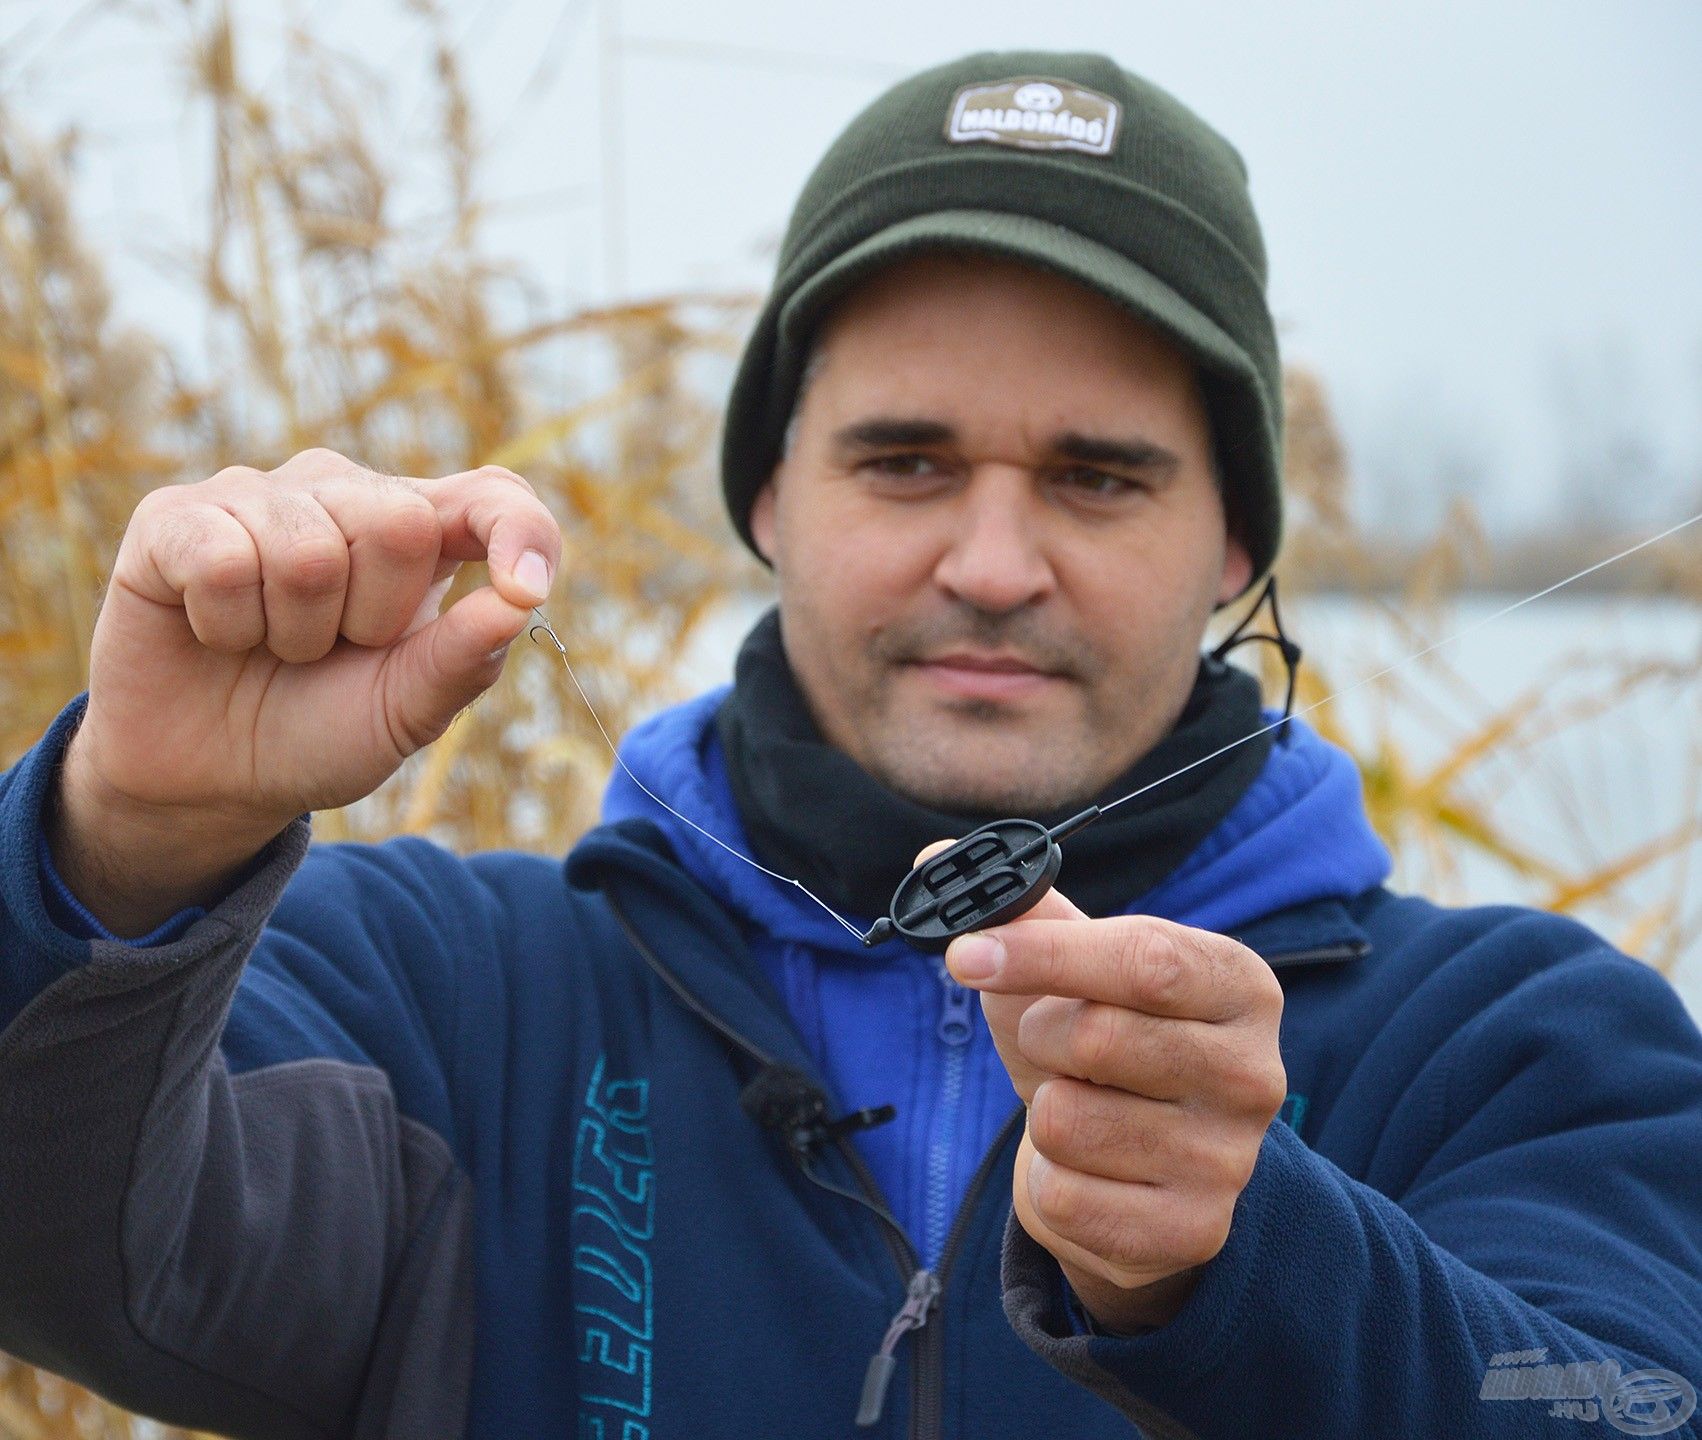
(995, 561)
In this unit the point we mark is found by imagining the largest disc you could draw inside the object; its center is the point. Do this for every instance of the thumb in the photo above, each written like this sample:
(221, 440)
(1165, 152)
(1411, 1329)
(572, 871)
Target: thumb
(439, 670)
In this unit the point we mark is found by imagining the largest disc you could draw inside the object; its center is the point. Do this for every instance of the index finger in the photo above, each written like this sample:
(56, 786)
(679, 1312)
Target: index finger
(491, 514)
(1138, 962)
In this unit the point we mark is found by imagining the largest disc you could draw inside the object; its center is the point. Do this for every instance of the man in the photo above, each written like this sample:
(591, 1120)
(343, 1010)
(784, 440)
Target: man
(380, 1141)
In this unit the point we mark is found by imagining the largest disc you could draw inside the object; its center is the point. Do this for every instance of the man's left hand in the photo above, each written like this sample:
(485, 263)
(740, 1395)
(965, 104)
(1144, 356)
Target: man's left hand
(1147, 1055)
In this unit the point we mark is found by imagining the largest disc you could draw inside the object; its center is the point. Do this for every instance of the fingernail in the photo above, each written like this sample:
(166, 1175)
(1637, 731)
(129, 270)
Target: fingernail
(533, 574)
(976, 956)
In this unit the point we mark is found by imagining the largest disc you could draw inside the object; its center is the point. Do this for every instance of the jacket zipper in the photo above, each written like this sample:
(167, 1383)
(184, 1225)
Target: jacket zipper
(925, 1394)
(921, 1297)
(922, 1286)
(956, 1029)
(925, 1389)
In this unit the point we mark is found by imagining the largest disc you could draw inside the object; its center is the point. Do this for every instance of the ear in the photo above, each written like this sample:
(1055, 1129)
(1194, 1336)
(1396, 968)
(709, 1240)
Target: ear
(762, 517)
(1237, 570)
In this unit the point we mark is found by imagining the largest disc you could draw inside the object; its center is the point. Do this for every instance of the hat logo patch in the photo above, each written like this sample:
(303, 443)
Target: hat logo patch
(1034, 114)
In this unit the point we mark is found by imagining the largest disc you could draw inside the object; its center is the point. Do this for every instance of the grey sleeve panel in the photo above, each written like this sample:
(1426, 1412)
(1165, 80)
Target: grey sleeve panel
(275, 1254)
(1033, 1295)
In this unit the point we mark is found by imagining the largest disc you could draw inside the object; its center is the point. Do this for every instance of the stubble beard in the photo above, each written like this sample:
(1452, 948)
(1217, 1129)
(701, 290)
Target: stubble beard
(942, 761)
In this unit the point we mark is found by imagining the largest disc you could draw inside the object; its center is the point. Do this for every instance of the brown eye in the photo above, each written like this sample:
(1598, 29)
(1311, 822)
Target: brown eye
(902, 465)
(1097, 482)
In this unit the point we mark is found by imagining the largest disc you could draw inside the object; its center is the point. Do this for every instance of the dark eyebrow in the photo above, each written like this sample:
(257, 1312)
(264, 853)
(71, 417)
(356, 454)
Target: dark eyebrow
(1101, 450)
(883, 434)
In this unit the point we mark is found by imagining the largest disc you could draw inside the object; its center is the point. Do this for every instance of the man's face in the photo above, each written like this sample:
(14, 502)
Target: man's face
(996, 535)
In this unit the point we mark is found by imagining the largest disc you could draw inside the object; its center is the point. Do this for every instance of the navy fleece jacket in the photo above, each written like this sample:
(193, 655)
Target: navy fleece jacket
(261, 1174)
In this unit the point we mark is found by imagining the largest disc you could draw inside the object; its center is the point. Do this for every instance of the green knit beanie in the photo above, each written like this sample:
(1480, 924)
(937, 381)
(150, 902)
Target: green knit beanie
(1064, 161)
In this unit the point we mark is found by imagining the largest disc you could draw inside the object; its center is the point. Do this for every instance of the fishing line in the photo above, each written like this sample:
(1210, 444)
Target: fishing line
(1004, 868)
(544, 625)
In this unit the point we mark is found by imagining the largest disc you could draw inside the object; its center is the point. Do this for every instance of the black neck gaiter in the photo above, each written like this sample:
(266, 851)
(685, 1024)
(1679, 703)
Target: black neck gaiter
(814, 814)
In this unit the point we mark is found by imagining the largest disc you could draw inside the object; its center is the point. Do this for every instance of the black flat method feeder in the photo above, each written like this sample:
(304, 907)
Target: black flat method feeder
(990, 876)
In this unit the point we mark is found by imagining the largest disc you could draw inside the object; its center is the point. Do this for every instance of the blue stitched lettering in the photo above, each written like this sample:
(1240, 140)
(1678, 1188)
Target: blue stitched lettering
(614, 1179)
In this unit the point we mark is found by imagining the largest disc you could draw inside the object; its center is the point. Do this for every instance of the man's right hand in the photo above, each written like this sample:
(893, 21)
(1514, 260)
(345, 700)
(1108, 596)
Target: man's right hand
(270, 644)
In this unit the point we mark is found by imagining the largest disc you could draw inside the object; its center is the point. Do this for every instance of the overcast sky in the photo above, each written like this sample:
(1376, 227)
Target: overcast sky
(1483, 219)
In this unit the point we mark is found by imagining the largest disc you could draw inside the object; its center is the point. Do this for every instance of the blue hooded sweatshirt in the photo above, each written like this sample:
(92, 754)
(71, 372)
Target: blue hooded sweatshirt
(392, 1142)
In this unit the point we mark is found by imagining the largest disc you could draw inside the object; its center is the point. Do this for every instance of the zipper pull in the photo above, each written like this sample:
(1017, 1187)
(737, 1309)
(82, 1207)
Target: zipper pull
(924, 1290)
(957, 1022)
